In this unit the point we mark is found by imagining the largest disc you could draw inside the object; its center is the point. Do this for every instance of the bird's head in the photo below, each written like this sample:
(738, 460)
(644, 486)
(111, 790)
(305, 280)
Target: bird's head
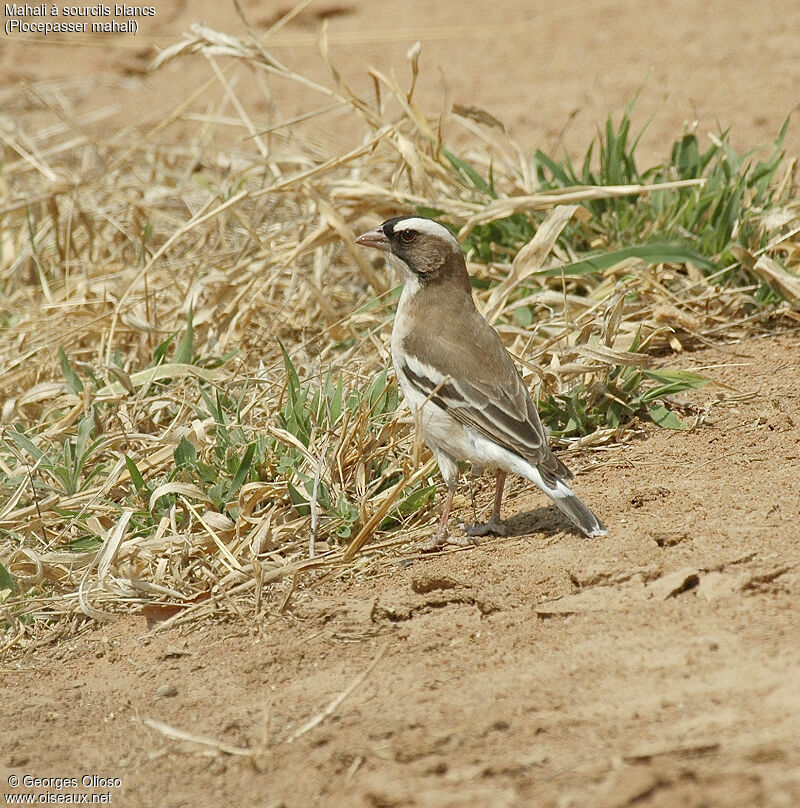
(425, 250)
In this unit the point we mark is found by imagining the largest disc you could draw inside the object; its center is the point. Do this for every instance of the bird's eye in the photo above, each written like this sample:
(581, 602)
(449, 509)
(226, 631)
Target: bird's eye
(407, 236)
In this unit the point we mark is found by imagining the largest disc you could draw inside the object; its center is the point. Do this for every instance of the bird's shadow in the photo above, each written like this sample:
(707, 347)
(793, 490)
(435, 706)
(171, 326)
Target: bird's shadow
(545, 520)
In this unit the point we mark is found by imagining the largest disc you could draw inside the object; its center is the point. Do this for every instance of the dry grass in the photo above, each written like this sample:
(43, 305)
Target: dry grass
(160, 451)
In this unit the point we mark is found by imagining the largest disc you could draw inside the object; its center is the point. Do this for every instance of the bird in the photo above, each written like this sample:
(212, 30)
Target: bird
(462, 385)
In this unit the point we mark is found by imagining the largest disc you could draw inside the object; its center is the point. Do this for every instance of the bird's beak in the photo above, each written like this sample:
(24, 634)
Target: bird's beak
(374, 238)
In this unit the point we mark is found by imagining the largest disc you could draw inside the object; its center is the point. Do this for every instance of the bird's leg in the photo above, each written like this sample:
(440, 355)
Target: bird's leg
(449, 469)
(495, 524)
(442, 536)
(442, 533)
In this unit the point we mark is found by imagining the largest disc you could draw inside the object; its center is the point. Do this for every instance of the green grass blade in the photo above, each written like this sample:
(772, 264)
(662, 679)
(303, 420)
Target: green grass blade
(135, 475)
(185, 350)
(665, 253)
(74, 383)
(294, 379)
(24, 443)
(665, 418)
(243, 468)
(685, 378)
(85, 427)
(467, 171)
(7, 580)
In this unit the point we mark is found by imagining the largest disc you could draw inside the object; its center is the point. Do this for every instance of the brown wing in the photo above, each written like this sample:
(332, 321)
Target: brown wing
(470, 374)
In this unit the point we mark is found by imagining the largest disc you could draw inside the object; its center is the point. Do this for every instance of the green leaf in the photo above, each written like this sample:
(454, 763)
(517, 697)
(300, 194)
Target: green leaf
(299, 502)
(345, 511)
(84, 544)
(64, 476)
(686, 157)
(523, 316)
(690, 381)
(665, 418)
(378, 388)
(416, 500)
(74, 383)
(207, 473)
(136, 477)
(185, 453)
(24, 443)
(335, 407)
(427, 212)
(161, 349)
(668, 252)
(466, 170)
(294, 379)
(7, 580)
(243, 468)
(85, 427)
(674, 381)
(323, 496)
(184, 351)
(559, 174)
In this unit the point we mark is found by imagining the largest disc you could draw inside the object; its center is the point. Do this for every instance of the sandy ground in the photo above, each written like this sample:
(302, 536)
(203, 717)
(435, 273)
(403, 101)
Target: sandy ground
(657, 667)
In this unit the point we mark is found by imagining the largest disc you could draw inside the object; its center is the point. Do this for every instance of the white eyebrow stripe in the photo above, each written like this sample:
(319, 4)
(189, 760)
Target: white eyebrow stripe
(427, 226)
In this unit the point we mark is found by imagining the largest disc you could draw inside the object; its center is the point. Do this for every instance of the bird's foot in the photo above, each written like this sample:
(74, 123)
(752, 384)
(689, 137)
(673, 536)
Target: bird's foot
(441, 539)
(493, 526)
(435, 542)
(466, 540)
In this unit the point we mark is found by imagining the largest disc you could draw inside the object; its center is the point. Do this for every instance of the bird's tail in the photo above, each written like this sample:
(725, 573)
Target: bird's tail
(570, 504)
(579, 513)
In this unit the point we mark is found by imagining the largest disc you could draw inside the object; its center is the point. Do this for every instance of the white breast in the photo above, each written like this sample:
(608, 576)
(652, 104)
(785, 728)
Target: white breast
(439, 430)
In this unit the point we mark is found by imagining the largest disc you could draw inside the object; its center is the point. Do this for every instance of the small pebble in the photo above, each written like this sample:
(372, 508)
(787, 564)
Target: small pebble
(166, 691)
